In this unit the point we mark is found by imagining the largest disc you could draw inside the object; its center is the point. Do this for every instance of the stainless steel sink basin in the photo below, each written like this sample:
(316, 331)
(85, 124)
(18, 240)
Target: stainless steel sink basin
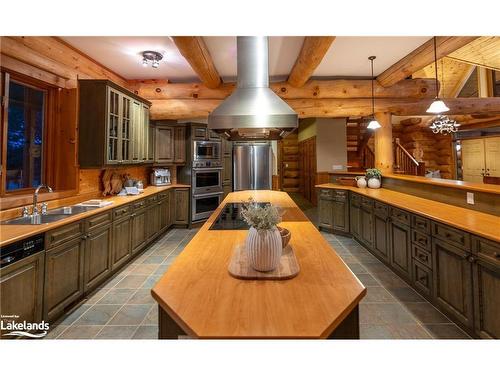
(32, 220)
(51, 216)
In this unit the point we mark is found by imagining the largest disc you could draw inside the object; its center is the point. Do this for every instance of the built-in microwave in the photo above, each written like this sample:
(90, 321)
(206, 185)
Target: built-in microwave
(206, 150)
(207, 180)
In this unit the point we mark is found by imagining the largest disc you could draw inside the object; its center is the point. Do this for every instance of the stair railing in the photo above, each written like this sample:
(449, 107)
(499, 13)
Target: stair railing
(405, 163)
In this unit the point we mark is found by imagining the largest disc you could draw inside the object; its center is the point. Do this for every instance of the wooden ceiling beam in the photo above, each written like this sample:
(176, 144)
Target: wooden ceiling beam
(331, 89)
(193, 108)
(312, 52)
(421, 57)
(195, 51)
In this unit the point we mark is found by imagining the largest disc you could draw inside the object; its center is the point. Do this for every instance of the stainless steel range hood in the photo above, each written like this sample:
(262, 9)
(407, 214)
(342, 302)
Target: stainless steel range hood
(253, 111)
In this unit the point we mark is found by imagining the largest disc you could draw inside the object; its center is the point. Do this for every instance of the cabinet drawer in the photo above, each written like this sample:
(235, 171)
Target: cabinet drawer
(422, 255)
(121, 212)
(57, 236)
(381, 210)
(139, 205)
(325, 193)
(99, 220)
(163, 195)
(422, 277)
(487, 249)
(451, 235)
(421, 224)
(151, 200)
(367, 203)
(340, 195)
(400, 215)
(355, 200)
(421, 239)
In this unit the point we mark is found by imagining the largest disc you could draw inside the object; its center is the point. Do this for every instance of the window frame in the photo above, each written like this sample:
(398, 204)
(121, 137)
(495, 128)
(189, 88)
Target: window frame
(48, 128)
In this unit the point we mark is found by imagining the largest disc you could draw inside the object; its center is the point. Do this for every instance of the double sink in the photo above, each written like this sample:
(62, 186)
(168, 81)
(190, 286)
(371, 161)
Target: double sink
(50, 217)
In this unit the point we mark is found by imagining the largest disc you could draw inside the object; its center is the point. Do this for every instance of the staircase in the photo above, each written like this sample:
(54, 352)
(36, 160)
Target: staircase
(405, 163)
(360, 155)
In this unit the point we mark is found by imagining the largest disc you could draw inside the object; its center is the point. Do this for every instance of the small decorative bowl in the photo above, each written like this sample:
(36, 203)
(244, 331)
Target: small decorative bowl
(285, 236)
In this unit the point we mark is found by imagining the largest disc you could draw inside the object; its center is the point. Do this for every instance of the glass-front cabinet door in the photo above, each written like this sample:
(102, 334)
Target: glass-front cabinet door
(126, 131)
(113, 126)
(137, 131)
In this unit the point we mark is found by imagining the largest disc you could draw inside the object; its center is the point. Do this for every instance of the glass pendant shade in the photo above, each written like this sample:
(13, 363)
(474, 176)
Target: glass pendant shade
(437, 107)
(373, 124)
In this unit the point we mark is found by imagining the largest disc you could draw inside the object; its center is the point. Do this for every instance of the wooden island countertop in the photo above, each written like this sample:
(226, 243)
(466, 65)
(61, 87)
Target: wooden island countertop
(204, 301)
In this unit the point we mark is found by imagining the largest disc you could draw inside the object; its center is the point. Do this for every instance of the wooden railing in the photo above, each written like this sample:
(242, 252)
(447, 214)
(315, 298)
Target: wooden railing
(405, 163)
(367, 157)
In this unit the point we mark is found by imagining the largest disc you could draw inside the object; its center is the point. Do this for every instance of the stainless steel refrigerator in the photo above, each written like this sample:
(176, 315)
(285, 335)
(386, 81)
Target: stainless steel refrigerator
(252, 166)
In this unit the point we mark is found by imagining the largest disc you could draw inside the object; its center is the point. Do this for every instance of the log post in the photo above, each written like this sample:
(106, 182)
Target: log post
(384, 154)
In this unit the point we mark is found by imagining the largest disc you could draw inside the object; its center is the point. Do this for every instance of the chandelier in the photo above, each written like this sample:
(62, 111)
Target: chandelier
(442, 124)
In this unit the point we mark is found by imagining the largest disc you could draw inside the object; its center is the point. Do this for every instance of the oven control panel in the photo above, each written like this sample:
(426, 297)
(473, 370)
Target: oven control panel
(206, 163)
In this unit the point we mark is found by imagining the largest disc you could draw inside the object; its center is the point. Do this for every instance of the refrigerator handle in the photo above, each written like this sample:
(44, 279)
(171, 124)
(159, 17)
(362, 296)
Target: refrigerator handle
(252, 172)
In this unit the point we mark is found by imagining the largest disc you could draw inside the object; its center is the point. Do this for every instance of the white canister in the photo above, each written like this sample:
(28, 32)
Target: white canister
(374, 183)
(264, 249)
(361, 181)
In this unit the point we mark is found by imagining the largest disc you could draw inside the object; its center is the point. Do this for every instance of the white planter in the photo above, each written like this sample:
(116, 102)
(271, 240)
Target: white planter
(361, 181)
(374, 183)
(264, 249)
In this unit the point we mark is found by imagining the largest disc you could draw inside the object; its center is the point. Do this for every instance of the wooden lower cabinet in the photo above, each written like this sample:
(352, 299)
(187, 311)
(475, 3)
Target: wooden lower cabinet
(165, 213)
(98, 256)
(355, 220)
(381, 243)
(422, 278)
(400, 248)
(138, 230)
(181, 206)
(21, 289)
(122, 246)
(64, 282)
(325, 214)
(486, 276)
(152, 220)
(340, 212)
(453, 281)
(366, 230)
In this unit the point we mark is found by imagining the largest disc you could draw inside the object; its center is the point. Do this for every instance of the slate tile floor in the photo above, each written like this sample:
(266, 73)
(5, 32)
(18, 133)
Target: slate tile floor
(124, 309)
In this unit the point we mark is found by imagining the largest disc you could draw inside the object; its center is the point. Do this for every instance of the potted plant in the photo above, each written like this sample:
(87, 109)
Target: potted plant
(374, 177)
(263, 243)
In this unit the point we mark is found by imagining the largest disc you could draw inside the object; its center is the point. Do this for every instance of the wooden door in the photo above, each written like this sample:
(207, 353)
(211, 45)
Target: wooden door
(487, 298)
(307, 168)
(179, 145)
(98, 256)
(164, 144)
(473, 160)
(21, 289)
(63, 277)
(492, 156)
(453, 281)
(122, 248)
(400, 248)
(138, 230)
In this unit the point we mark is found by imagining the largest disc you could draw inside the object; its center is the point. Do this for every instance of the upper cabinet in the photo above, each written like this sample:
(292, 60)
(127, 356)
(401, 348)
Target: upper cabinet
(169, 143)
(113, 126)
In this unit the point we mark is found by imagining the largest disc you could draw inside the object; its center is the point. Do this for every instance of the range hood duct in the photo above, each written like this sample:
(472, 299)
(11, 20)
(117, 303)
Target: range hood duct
(253, 111)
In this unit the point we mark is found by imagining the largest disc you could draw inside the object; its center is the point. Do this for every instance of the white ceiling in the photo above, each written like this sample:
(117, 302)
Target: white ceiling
(347, 57)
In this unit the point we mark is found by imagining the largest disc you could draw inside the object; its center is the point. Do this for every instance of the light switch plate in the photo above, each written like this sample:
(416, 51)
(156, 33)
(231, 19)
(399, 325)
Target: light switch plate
(470, 198)
(337, 167)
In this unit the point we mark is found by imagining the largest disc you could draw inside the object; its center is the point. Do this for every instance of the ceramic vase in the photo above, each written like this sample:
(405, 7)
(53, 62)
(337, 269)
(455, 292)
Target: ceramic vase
(264, 249)
(374, 183)
(361, 181)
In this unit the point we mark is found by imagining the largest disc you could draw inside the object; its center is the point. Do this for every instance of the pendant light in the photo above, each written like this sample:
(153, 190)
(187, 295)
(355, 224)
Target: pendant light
(373, 123)
(437, 106)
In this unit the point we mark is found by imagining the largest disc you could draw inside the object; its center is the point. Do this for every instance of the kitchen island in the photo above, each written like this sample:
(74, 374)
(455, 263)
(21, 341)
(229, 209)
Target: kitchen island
(198, 297)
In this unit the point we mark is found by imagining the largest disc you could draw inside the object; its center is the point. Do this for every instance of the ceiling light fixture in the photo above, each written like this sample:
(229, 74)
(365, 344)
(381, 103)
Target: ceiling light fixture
(151, 57)
(437, 106)
(373, 123)
(442, 124)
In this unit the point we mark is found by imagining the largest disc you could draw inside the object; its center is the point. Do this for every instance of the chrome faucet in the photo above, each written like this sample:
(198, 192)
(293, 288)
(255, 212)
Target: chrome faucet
(35, 197)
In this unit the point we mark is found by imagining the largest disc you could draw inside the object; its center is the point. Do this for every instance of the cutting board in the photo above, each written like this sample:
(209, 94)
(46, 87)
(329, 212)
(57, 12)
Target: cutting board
(240, 268)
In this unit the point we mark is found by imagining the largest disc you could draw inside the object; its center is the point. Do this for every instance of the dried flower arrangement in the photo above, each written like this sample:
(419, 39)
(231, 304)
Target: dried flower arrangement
(261, 217)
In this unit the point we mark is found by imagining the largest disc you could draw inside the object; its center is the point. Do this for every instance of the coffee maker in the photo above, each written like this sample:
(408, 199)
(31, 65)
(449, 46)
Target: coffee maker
(160, 177)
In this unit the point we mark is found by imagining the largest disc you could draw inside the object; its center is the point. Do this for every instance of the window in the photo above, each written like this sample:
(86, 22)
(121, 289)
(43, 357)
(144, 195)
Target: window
(25, 127)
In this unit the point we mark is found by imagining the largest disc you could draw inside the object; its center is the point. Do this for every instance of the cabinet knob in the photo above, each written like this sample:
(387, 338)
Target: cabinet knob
(471, 259)
(496, 255)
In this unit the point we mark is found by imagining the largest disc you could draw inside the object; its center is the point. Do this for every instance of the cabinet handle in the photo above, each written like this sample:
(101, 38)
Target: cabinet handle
(422, 278)
(83, 237)
(133, 215)
(496, 255)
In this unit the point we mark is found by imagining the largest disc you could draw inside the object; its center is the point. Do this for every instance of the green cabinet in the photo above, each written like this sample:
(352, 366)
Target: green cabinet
(400, 248)
(98, 256)
(381, 231)
(325, 213)
(181, 206)
(139, 234)
(355, 215)
(333, 210)
(122, 236)
(113, 126)
(165, 210)
(169, 143)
